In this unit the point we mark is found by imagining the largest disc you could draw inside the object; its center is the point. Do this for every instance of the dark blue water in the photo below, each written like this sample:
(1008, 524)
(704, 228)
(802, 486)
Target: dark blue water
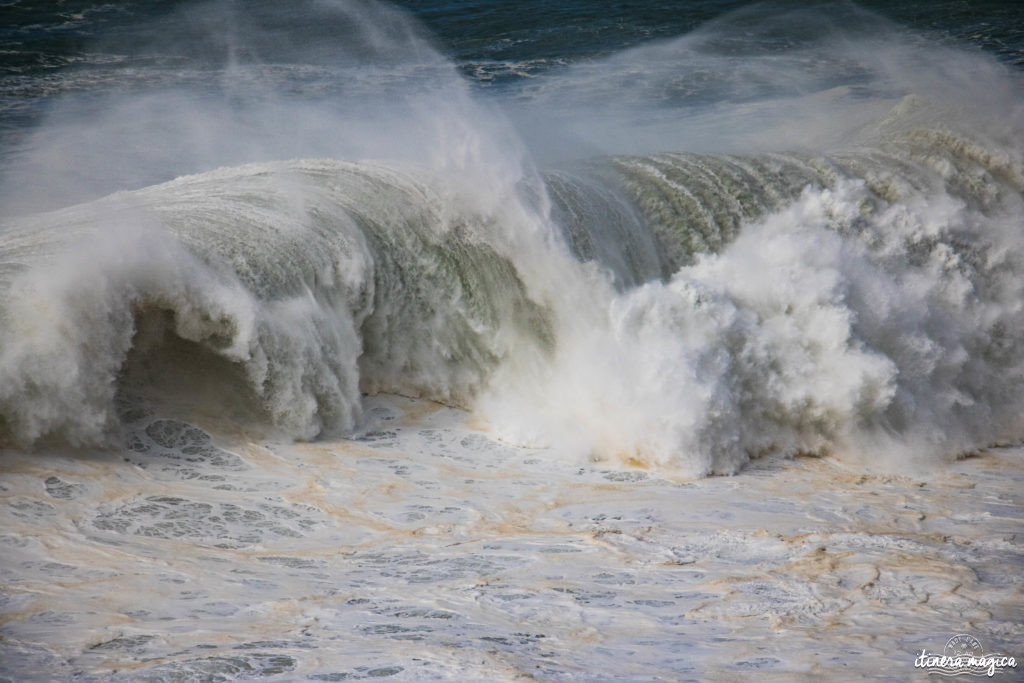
(37, 37)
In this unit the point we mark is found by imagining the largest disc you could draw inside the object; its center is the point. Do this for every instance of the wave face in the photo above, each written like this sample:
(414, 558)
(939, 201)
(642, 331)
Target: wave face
(771, 235)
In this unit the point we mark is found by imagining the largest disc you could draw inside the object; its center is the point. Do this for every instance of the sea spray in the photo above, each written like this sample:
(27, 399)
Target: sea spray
(838, 323)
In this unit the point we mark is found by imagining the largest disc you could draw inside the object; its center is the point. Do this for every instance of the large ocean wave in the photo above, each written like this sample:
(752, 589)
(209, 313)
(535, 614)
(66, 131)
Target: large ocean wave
(837, 268)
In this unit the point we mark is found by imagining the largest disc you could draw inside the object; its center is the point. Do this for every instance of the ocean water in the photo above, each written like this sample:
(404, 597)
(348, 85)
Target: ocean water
(346, 340)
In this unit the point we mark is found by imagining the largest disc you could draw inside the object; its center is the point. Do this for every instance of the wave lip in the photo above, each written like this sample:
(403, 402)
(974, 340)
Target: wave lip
(300, 281)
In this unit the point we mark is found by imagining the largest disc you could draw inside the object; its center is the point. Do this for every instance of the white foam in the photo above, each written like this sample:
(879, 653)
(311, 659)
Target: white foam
(425, 549)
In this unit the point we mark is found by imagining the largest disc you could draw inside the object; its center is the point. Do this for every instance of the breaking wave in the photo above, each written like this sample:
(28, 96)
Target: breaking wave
(682, 311)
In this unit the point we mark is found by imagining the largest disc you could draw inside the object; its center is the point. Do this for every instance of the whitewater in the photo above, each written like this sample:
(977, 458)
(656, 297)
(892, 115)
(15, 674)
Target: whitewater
(319, 362)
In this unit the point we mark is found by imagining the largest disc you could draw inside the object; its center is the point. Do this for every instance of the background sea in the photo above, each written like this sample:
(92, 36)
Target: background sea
(349, 339)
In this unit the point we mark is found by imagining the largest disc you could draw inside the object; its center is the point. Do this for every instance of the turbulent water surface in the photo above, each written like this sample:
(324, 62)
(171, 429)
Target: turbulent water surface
(346, 340)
